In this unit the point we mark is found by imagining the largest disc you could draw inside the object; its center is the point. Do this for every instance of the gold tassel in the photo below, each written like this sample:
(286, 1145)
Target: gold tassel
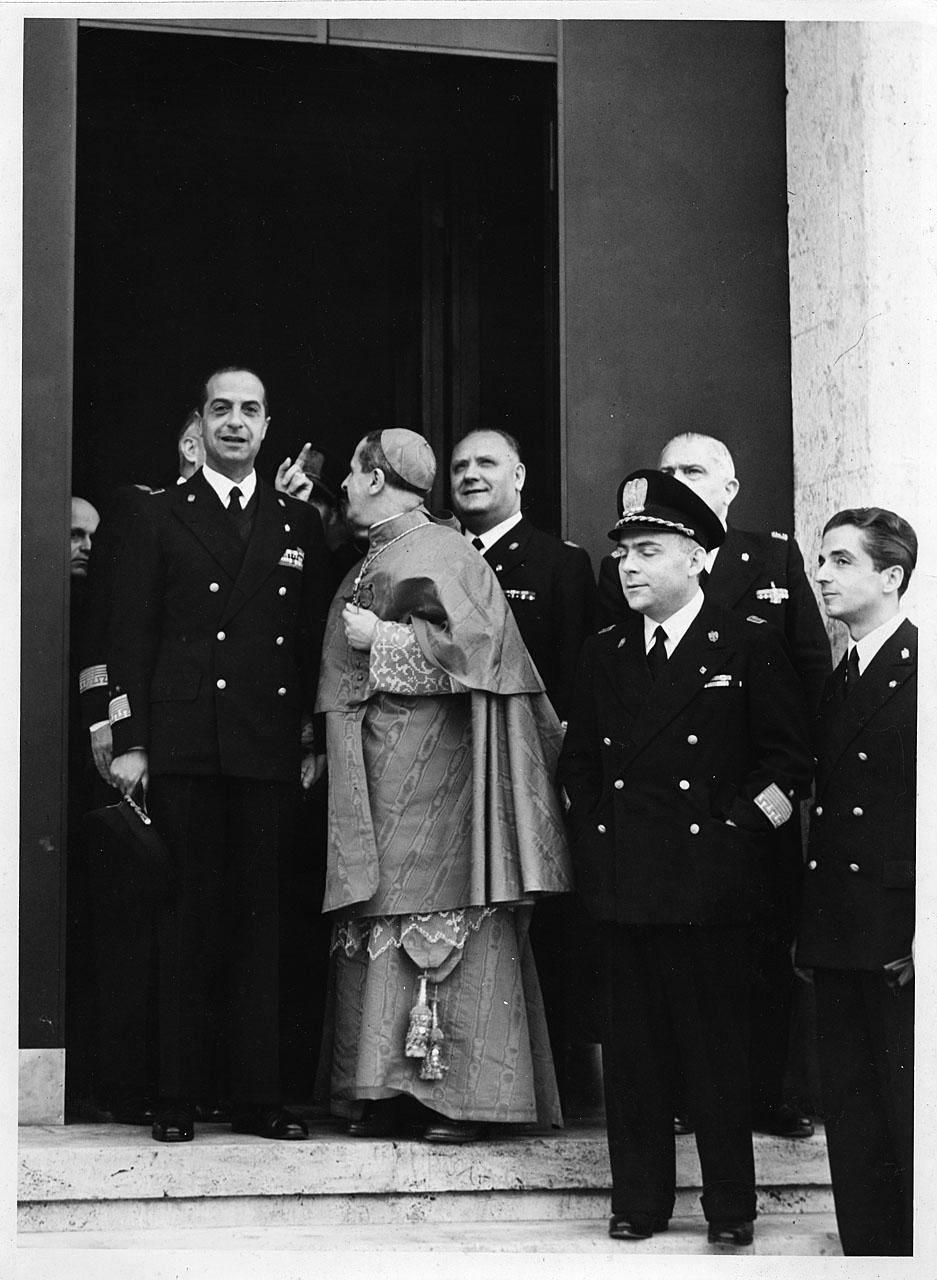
(421, 1019)
(433, 1067)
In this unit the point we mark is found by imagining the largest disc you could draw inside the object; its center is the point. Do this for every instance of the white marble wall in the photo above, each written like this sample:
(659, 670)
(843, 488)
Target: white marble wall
(861, 269)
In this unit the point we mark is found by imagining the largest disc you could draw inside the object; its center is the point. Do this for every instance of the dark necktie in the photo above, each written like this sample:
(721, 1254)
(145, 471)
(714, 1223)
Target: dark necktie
(478, 545)
(851, 673)
(242, 522)
(657, 654)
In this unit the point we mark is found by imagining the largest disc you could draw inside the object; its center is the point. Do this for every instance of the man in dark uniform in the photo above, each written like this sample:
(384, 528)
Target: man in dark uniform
(215, 638)
(754, 574)
(549, 583)
(857, 922)
(757, 575)
(686, 748)
(551, 590)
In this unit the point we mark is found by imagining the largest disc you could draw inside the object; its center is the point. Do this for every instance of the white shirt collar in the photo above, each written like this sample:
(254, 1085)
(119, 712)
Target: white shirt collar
(869, 645)
(676, 626)
(491, 537)
(223, 486)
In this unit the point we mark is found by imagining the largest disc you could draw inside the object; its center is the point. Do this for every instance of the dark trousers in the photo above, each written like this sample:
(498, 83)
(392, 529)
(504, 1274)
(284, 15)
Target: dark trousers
(218, 939)
(678, 995)
(124, 908)
(865, 1033)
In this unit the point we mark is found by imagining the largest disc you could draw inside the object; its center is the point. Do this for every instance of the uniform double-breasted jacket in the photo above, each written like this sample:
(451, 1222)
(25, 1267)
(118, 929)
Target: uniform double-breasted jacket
(756, 575)
(214, 646)
(551, 590)
(858, 896)
(653, 770)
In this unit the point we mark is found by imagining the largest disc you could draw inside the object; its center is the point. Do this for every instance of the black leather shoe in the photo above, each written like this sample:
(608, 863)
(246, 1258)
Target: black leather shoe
(784, 1121)
(379, 1119)
(635, 1226)
(213, 1111)
(741, 1233)
(270, 1122)
(454, 1131)
(682, 1124)
(174, 1123)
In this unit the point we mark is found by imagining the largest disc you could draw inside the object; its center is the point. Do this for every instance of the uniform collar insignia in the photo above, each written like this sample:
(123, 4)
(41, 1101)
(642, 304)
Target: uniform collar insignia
(713, 636)
(514, 546)
(906, 653)
(745, 555)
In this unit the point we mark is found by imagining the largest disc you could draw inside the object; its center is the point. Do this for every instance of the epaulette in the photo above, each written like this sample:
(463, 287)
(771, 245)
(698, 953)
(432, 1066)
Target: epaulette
(610, 627)
(782, 536)
(754, 618)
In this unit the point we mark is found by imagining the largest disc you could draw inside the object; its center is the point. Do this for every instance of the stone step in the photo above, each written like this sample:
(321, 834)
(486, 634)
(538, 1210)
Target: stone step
(112, 1178)
(804, 1234)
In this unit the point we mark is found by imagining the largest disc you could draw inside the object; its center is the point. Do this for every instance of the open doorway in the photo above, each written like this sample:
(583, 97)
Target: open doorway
(372, 231)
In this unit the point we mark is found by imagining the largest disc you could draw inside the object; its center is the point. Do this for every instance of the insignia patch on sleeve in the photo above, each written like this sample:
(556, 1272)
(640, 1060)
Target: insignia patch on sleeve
(92, 678)
(775, 805)
(514, 593)
(118, 708)
(293, 558)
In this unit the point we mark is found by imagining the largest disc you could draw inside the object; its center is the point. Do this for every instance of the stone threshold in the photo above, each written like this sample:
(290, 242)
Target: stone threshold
(806, 1234)
(110, 1177)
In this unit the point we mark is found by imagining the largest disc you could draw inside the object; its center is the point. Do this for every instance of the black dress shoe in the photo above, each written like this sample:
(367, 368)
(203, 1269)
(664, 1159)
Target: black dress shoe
(454, 1131)
(213, 1111)
(379, 1119)
(682, 1124)
(784, 1121)
(270, 1122)
(741, 1233)
(174, 1123)
(635, 1226)
(133, 1109)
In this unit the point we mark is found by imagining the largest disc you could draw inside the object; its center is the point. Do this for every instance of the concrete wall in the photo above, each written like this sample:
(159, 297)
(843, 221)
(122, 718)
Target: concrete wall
(858, 273)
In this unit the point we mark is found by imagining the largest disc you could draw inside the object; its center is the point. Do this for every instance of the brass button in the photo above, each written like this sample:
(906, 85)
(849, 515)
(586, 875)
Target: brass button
(282, 591)
(694, 828)
(853, 866)
(222, 684)
(684, 785)
(286, 528)
(279, 639)
(281, 692)
(692, 739)
(601, 828)
(220, 635)
(618, 784)
(857, 812)
(607, 741)
(863, 756)
(819, 810)
(213, 586)
(812, 865)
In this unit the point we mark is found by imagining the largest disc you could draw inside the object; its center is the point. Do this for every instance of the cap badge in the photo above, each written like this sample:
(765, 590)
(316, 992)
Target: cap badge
(713, 636)
(633, 497)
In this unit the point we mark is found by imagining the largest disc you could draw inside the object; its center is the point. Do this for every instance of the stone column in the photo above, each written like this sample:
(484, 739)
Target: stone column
(862, 273)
